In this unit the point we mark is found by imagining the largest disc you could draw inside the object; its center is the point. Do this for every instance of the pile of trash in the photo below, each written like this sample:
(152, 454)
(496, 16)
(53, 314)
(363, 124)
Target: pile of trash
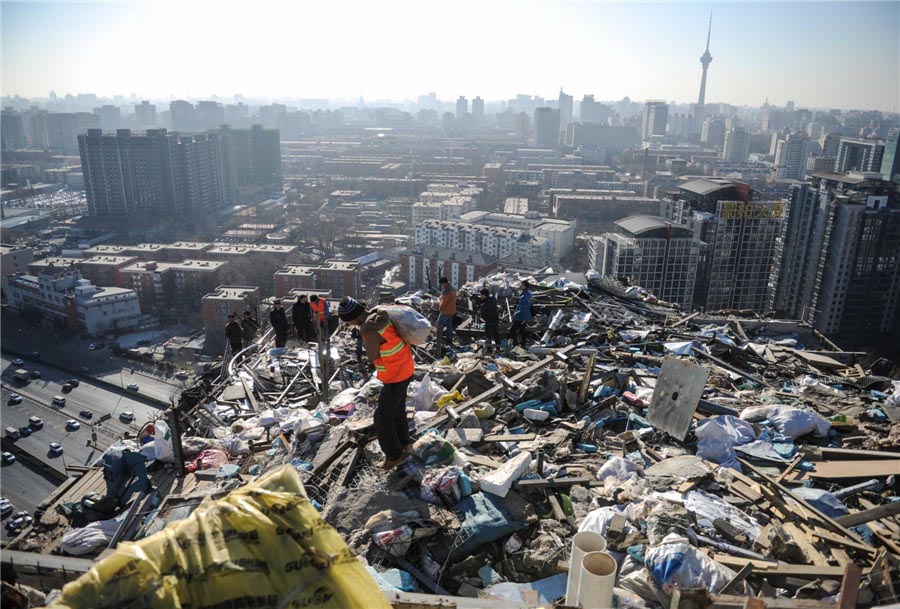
(729, 453)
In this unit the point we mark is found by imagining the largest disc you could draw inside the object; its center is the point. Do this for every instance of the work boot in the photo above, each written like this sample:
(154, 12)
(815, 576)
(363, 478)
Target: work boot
(407, 450)
(390, 464)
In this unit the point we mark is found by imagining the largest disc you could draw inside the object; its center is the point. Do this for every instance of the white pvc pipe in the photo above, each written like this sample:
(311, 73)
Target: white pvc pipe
(582, 543)
(598, 576)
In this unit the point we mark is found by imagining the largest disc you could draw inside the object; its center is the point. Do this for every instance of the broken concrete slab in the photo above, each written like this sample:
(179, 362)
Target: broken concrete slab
(678, 390)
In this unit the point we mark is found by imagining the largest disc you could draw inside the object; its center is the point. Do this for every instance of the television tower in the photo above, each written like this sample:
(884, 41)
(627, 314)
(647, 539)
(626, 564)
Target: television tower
(705, 59)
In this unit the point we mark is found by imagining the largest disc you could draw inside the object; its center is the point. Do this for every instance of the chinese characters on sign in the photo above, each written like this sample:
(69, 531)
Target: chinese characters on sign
(731, 210)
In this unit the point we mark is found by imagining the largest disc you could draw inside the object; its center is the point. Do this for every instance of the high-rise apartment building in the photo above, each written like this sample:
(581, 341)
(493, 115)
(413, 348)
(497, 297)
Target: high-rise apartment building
(183, 118)
(737, 146)
(462, 107)
(594, 112)
(890, 162)
(209, 115)
(12, 130)
(478, 110)
(546, 127)
(657, 255)
(837, 262)
(145, 115)
(656, 113)
(740, 233)
(791, 155)
(198, 173)
(713, 133)
(855, 154)
(60, 131)
(110, 116)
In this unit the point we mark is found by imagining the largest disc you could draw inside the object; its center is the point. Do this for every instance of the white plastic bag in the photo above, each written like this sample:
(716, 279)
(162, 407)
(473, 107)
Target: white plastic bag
(675, 562)
(162, 442)
(793, 422)
(426, 393)
(411, 325)
(717, 437)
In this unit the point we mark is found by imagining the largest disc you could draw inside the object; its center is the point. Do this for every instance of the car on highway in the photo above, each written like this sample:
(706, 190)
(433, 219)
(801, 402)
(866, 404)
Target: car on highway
(127, 416)
(84, 370)
(72, 425)
(18, 362)
(59, 400)
(8, 458)
(56, 448)
(85, 414)
(74, 382)
(6, 507)
(181, 375)
(24, 431)
(35, 422)
(92, 347)
(14, 398)
(66, 387)
(35, 374)
(18, 521)
(133, 387)
(35, 355)
(12, 433)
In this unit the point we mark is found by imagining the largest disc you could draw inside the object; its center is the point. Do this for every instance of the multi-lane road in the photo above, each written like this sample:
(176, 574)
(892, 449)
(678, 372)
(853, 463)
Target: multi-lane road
(30, 479)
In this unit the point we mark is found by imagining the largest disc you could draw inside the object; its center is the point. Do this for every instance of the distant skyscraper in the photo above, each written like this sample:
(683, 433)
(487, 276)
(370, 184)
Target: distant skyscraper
(656, 113)
(713, 133)
(145, 115)
(890, 162)
(565, 110)
(836, 257)
(522, 126)
(705, 60)
(183, 119)
(110, 116)
(546, 127)
(462, 107)
(737, 146)
(791, 155)
(855, 154)
(209, 115)
(478, 110)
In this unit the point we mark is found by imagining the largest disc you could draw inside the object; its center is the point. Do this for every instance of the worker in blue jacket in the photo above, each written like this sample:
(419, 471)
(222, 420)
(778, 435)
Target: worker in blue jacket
(522, 316)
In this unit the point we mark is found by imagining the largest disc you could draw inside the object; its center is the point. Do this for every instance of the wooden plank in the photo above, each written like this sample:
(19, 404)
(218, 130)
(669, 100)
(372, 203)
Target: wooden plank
(856, 518)
(558, 512)
(762, 567)
(789, 468)
(831, 537)
(854, 469)
(482, 460)
(522, 437)
(846, 454)
(523, 485)
(738, 579)
(840, 556)
(586, 381)
(733, 601)
(850, 587)
(824, 518)
(801, 539)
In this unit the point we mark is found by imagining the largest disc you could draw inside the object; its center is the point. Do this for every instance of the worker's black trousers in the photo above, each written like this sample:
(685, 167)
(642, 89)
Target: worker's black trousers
(391, 425)
(518, 328)
(491, 333)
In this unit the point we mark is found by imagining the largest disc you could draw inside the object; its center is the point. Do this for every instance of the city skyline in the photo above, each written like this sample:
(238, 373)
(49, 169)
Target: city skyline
(643, 51)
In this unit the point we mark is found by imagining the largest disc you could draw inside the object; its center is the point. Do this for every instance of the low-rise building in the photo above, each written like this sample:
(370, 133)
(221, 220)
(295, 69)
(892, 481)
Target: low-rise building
(14, 259)
(422, 265)
(106, 271)
(68, 298)
(152, 281)
(194, 278)
(339, 277)
(107, 250)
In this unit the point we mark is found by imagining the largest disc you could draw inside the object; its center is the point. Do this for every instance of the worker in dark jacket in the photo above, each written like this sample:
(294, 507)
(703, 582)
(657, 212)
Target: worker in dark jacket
(249, 327)
(278, 319)
(301, 315)
(233, 333)
(487, 310)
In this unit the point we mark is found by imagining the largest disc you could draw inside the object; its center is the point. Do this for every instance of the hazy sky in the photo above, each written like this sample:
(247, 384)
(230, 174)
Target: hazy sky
(820, 54)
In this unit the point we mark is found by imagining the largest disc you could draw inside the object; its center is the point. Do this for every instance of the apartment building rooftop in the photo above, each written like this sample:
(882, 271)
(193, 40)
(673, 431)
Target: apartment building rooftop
(148, 266)
(231, 292)
(108, 260)
(199, 265)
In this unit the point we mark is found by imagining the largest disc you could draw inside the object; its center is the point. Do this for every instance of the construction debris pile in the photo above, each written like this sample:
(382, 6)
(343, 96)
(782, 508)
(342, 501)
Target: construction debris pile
(709, 456)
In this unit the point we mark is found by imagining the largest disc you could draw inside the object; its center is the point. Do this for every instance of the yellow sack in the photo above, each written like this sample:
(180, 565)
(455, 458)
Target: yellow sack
(445, 399)
(260, 546)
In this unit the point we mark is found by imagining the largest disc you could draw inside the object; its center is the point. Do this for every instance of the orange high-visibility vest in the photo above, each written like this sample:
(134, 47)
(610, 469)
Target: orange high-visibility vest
(395, 361)
(318, 310)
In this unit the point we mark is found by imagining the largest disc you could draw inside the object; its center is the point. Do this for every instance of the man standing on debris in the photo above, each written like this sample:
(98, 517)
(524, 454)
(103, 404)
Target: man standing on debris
(301, 315)
(234, 334)
(522, 315)
(447, 310)
(249, 326)
(319, 311)
(278, 319)
(394, 367)
(487, 309)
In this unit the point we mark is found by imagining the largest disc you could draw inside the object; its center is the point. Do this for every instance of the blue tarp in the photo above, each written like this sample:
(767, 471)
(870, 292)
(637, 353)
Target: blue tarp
(484, 519)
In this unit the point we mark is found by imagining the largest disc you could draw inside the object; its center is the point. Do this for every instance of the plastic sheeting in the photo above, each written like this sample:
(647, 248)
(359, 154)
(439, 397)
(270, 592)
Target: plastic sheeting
(676, 563)
(484, 520)
(263, 545)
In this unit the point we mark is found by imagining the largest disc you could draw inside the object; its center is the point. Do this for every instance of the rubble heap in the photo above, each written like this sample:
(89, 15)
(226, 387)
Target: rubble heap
(716, 455)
